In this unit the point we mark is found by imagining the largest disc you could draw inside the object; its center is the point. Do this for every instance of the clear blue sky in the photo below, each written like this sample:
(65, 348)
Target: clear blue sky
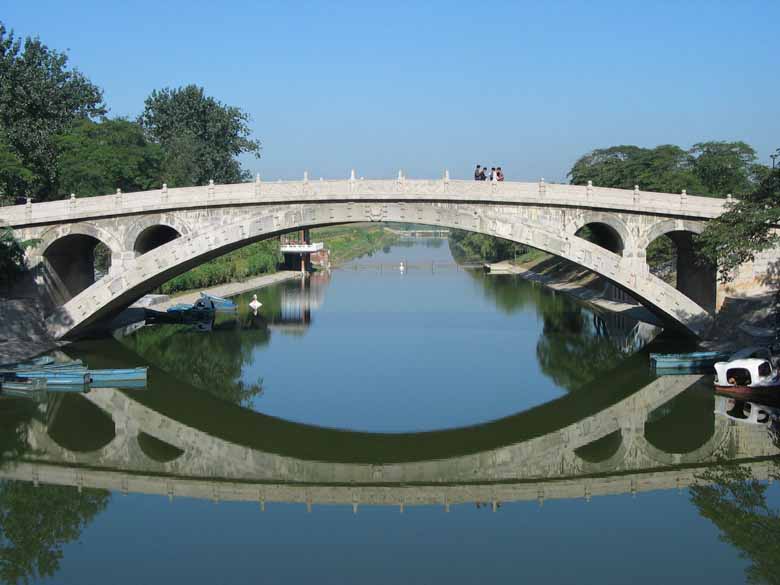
(427, 85)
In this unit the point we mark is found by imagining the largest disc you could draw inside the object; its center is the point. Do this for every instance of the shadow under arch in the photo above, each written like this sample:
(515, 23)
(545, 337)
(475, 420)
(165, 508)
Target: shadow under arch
(158, 450)
(153, 237)
(94, 428)
(695, 277)
(66, 258)
(678, 427)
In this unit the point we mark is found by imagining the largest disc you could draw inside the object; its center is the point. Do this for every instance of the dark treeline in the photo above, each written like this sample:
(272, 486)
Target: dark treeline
(713, 169)
(56, 138)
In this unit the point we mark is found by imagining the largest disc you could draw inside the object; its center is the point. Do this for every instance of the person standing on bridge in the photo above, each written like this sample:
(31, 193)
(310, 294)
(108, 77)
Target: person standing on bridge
(482, 175)
(492, 173)
(477, 173)
(499, 174)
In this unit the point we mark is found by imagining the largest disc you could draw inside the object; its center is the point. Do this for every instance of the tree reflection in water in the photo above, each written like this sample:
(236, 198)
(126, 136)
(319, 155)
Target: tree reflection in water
(35, 522)
(576, 346)
(211, 360)
(735, 501)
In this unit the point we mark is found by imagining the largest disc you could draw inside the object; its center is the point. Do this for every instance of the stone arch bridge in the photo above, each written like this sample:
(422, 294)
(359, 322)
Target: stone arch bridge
(153, 236)
(552, 464)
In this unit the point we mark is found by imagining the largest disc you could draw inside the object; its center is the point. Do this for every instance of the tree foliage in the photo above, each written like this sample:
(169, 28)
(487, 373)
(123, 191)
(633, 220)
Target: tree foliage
(40, 96)
(201, 137)
(473, 246)
(11, 256)
(732, 499)
(707, 168)
(95, 158)
(745, 229)
(35, 522)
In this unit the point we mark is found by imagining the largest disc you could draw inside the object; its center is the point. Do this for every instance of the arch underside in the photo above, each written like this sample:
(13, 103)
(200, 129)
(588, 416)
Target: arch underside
(144, 273)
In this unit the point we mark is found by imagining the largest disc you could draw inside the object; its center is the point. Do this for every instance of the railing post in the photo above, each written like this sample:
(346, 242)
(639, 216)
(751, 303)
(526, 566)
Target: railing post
(164, 193)
(211, 189)
(636, 194)
(542, 187)
(589, 190)
(28, 210)
(352, 181)
(257, 185)
(446, 180)
(683, 198)
(118, 198)
(72, 201)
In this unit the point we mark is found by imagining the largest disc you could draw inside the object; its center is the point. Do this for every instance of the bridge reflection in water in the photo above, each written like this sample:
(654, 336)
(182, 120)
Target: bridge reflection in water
(623, 441)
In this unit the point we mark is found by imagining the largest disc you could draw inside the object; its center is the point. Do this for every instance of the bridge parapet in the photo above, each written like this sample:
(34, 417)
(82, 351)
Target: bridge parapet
(287, 192)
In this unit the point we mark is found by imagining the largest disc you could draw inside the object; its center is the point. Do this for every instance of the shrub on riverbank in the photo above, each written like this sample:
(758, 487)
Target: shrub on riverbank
(258, 258)
(353, 241)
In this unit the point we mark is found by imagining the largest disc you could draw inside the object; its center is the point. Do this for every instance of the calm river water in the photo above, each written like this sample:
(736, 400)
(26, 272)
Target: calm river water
(378, 425)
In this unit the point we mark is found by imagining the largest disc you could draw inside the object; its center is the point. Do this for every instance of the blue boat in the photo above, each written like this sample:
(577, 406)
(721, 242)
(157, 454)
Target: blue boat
(54, 377)
(118, 375)
(202, 310)
(692, 361)
(22, 388)
(219, 303)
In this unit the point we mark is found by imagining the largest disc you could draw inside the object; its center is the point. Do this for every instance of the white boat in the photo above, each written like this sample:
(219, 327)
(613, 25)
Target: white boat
(751, 374)
(745, 411)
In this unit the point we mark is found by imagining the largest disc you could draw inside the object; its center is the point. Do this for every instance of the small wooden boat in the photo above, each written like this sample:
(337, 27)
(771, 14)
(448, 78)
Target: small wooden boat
(219, 303)
(201, 310)
(13, 387)
(119, 375)
(695, 360)
(54, 377)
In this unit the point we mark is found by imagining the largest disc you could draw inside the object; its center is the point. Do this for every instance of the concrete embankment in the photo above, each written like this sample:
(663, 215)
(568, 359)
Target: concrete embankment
(22, 331)
(585, 287)
(162, 302)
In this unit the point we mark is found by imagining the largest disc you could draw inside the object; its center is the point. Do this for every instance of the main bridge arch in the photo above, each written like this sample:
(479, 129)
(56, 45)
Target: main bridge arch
(240, 226)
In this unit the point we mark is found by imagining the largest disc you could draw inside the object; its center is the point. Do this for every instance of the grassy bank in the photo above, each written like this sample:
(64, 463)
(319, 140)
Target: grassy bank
(252, 260)
(353, 241)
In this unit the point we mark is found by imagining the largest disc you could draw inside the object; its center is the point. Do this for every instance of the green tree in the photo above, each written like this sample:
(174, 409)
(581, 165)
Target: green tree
(745, 229)
(96, 158)
(200, 136)
(472, 246)
(39, 98)
(11, 256)
(665, 168)
(35, 522)
(725, 167)
(732, 499)
(15, 178)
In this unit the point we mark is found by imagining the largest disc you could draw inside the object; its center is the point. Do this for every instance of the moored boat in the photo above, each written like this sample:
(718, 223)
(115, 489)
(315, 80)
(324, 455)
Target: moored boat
(15, 387)
(219, 303)
(201, 310)
(755, 379)
(695, 360)
(118, 375)
(53, 377)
